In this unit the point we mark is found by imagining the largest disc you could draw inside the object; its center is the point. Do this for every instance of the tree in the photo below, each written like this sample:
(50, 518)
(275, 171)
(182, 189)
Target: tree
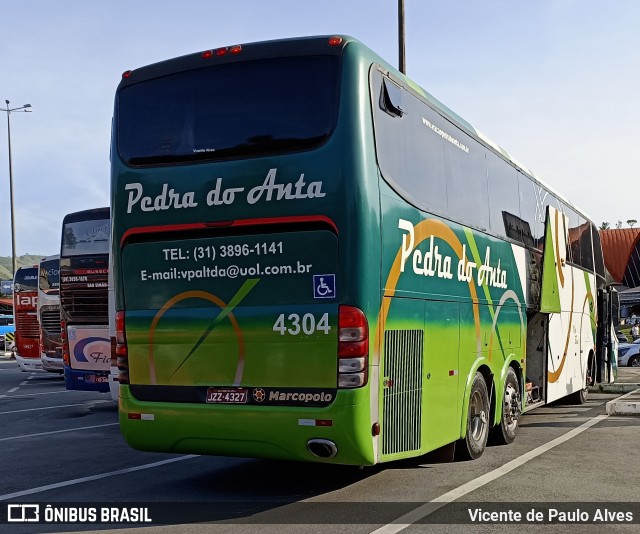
(619, 225)
(631, 222)
(604, 226)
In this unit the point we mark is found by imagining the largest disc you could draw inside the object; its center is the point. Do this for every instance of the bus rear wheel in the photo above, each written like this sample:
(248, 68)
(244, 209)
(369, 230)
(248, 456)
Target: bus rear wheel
(474, 443)
(505, 432)
(579, 397)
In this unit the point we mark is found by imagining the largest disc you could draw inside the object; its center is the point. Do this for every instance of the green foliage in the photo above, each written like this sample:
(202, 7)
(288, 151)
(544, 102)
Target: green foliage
(6, 269)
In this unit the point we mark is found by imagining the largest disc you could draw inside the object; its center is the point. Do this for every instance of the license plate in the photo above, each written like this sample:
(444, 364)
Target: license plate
(227, 395)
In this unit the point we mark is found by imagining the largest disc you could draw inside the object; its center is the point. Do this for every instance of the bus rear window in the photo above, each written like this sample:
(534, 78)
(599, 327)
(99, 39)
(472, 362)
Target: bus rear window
(85, 237)
(240, 109)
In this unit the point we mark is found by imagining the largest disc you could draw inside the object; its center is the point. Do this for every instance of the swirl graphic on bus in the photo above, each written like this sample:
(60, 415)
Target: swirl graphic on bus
(92, 349)
(226, 312)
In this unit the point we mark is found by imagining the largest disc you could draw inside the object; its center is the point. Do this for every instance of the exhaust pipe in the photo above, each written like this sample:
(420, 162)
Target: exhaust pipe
(322, 448)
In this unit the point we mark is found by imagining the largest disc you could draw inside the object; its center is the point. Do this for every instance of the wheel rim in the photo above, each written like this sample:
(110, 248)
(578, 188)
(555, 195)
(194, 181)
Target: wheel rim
(635, 362)
(511, 409)
(477, 416)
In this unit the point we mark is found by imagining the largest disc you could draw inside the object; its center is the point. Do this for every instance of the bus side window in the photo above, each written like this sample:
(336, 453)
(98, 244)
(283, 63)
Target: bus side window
(392, 99)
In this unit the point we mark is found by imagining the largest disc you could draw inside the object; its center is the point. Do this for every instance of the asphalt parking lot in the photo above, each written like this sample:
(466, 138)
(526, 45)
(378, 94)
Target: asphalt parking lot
(64, 448)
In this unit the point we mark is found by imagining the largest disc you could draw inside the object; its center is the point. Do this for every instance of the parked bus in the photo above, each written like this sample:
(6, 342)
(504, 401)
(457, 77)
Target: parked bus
(25, 306)
(316, 260)
(84, 262)
(49, 314)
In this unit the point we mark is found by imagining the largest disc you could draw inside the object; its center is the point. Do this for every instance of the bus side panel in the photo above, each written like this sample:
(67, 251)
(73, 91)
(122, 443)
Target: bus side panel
(571, 337)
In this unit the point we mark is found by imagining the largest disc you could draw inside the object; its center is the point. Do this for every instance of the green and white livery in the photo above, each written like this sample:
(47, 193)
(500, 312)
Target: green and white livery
(313, 259)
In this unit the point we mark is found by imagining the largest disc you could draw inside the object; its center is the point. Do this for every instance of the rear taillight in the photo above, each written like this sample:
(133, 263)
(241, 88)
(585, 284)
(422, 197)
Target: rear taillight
(121, 352)
(353, 347)
(65, 344)
(223, 51)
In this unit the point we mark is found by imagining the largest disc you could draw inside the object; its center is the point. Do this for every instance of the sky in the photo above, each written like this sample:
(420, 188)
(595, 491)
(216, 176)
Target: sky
(554, 82)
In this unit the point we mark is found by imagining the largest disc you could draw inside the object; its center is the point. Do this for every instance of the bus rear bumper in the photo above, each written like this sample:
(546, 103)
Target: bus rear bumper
(75, 379)
(340, 433)
(53, 365)
(28, 364)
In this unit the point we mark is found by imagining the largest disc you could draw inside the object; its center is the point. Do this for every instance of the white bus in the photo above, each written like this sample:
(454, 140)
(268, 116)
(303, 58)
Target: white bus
(49, 314)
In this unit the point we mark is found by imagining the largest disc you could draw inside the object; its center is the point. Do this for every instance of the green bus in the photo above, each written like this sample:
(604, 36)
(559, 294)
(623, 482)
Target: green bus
(316, 260)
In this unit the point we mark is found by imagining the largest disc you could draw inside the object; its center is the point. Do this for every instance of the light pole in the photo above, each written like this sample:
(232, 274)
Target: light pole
(402, 65)
(26, 108)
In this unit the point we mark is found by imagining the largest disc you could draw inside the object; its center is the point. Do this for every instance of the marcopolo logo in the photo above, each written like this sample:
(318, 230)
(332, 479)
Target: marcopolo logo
(294, 397)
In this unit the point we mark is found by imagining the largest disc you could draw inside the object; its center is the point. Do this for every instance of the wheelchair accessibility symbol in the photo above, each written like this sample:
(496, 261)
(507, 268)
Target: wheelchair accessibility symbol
(324, 286)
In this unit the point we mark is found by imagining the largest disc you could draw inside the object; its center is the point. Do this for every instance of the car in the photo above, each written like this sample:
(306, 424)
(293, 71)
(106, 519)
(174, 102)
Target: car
(629, 354)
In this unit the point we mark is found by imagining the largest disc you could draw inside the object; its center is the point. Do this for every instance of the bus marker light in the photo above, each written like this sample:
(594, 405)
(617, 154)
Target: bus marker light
(141, 416)
(221, 52)
(235, 50)
(375, 429)
(126, 74)
(315, 422)
(207, 54)
(335, 41)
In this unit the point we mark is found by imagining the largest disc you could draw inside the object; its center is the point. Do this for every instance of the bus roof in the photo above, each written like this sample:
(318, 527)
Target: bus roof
(87, 215)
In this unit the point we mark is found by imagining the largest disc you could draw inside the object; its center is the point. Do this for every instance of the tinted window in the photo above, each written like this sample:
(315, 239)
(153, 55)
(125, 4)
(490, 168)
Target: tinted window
(504, 207)
(573, 236)
(49, 276)
(409, 149)
(586, 247)
(86, 237)
(466, 175)
(26, 279)
(533, 201)
(597, 252)
(231, 110)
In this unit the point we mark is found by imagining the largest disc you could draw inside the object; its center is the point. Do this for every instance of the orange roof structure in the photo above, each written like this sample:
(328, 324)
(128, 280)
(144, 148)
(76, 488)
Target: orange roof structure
(619, 246)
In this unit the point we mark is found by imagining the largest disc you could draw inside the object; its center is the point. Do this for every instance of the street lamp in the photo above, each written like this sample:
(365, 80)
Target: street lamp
(26, 108)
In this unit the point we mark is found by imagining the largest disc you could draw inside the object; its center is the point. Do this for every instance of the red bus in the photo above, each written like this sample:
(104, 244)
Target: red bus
(25, 309)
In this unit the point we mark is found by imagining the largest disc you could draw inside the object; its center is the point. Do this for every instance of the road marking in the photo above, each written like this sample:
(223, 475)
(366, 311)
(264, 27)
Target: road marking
(57, 485)
(32, 394)
(25, 382)
(57, 431)
(58, 406)
(428, 508)
(13, 390)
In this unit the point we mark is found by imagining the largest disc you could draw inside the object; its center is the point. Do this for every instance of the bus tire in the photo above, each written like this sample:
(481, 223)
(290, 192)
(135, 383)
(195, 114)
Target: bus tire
(505, 432)
(579, 397)
(474, 443)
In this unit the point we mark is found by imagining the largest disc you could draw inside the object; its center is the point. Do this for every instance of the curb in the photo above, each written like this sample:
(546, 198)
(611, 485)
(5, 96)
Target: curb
(614, 388)
(628, 404)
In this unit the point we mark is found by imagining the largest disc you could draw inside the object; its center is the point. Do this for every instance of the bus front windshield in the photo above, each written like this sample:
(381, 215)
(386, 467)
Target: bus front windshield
(50, 276)
(239, 109)
(26, 279)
